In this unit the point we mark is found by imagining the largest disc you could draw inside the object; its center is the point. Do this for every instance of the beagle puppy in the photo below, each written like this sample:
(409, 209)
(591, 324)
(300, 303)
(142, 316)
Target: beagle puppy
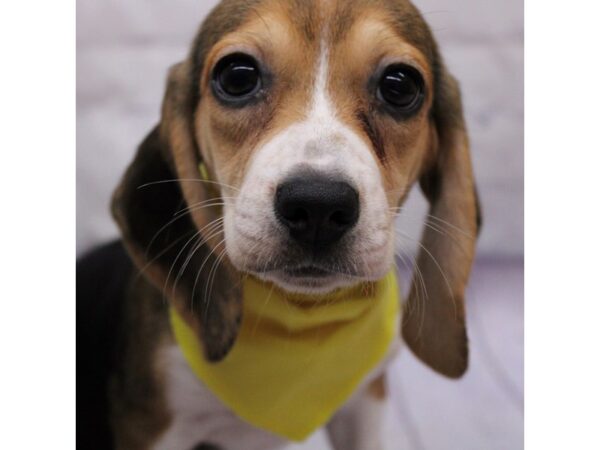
(289, 139)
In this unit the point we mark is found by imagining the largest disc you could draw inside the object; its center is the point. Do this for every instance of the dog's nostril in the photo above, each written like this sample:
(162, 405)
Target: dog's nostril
(298, 217)
(341, 218)
(317, 210)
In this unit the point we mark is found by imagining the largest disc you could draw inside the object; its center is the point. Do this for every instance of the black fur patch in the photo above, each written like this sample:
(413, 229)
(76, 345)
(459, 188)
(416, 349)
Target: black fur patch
(102, 280)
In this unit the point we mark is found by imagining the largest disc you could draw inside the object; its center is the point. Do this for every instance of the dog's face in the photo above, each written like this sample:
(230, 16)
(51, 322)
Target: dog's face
(314, 119)
(316, 129)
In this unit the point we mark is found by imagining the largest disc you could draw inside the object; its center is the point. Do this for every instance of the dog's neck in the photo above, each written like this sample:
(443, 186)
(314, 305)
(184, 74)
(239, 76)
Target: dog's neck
(298, 353)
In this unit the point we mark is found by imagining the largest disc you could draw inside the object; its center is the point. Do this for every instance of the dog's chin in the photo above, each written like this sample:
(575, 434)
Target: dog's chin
(308, 281)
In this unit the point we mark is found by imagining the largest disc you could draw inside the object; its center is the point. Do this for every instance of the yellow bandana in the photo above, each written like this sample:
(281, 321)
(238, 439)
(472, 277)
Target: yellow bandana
(298, 359)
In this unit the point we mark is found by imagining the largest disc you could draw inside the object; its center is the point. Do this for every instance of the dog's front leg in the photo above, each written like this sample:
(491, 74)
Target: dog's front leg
(358, 425)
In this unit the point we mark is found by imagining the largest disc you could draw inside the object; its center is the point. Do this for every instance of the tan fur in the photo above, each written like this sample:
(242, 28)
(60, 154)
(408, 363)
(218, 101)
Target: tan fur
(378, 388)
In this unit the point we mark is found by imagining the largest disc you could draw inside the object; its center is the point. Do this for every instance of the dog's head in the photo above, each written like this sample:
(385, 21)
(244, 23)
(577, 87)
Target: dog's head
(313, 120)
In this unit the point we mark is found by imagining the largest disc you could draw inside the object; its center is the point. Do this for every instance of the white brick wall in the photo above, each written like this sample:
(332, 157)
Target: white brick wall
(124, 48)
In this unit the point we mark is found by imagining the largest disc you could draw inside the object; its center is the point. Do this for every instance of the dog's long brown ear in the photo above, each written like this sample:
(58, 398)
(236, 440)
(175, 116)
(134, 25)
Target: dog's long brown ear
(174, 239)
(434, 323)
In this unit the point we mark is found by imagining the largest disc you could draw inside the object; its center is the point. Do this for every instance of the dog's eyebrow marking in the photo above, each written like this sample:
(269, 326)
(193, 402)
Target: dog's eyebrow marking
(303, 14)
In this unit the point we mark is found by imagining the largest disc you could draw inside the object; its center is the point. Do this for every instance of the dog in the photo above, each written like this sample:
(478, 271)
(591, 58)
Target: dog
(289, 138)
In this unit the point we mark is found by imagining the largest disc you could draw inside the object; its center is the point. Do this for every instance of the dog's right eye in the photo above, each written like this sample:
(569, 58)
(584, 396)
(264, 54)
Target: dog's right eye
(236, 78)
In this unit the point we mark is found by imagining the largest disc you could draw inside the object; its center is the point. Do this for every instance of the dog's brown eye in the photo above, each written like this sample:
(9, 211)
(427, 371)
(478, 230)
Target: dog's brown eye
(236, 77)
(402, 87)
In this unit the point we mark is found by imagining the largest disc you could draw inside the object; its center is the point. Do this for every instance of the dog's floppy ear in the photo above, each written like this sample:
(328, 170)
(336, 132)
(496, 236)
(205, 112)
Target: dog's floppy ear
(174, 240)
(434, 324)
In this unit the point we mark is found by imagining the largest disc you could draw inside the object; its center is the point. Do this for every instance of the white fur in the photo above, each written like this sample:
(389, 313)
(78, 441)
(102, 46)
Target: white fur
(323, 142)
(357, 426)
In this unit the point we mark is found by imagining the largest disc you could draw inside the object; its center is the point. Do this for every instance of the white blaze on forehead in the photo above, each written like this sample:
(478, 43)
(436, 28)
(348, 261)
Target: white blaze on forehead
(325, 141)
(322, 108)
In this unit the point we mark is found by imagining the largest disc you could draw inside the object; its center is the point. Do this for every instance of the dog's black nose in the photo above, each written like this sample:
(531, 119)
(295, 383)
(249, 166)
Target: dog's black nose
(317, 210)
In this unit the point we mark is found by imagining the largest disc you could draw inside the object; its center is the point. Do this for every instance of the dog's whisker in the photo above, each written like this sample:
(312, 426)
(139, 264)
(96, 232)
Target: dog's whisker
(439, 221)
(196, 236)
(419, 287)
(197, 278)
(161, 229)
(180, 215)
(435, 261)
(445, 222)
(217, 201)
(213, 272)
(188, 180)
(146, 266)
(438, 228)
(200, 208)
(212, 230)
(211, 278)
(442, 229)
(210, 233)
(206, 300)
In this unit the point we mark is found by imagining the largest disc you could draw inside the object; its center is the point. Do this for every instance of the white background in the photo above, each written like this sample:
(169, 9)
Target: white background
(37, 231)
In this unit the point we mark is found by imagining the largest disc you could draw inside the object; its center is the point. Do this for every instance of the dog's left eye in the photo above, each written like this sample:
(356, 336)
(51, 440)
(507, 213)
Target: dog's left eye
(236, 77)
(402, 87)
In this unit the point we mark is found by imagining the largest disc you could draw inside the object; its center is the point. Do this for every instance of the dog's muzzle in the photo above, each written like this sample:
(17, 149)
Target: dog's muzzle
(317, 209)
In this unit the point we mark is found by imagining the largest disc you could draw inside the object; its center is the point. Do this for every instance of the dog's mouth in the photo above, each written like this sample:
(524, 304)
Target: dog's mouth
(308, 279)
(308, 272)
